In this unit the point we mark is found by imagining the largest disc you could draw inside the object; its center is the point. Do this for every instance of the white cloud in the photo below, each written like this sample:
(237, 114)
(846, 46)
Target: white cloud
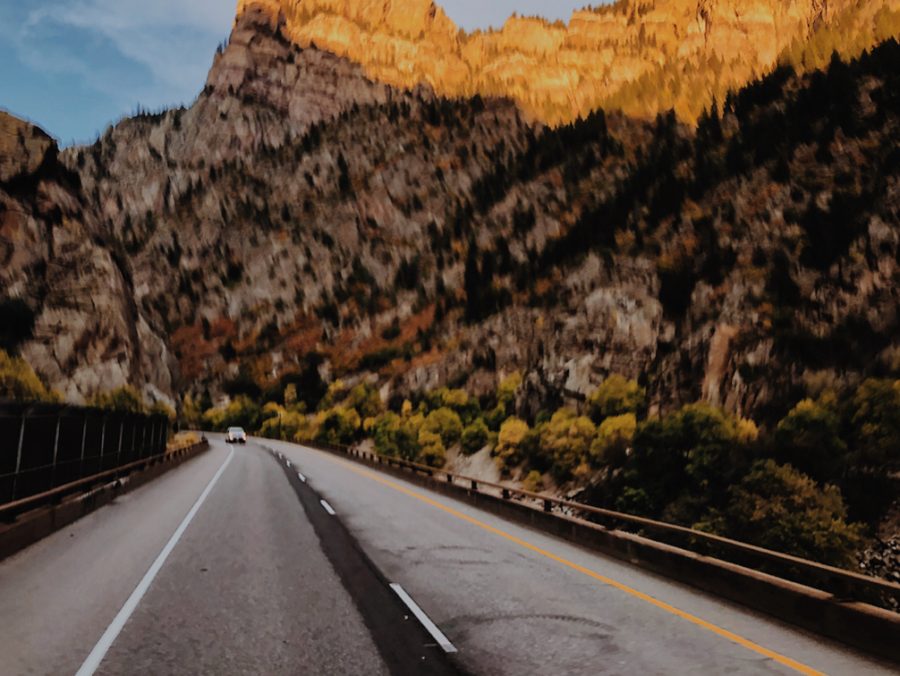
(173, 41)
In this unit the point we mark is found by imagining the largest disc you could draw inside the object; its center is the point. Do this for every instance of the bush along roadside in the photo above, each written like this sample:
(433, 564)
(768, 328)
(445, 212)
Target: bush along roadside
(817, 485)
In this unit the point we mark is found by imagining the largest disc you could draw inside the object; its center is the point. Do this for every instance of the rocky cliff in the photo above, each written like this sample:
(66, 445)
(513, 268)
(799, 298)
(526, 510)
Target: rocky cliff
(87, 335)
(301, 215)
(643, 56)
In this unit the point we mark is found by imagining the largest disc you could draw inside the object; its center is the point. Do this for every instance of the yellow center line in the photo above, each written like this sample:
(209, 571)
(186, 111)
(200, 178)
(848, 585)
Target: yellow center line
(719, 631)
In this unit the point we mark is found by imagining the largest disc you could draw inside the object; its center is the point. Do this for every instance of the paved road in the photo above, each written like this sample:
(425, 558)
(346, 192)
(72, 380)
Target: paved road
(508, 599)
(262, 578)
(246, 590)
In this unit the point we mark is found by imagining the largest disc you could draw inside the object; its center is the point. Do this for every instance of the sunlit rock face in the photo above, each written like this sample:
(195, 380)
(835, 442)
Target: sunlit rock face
(643, 56)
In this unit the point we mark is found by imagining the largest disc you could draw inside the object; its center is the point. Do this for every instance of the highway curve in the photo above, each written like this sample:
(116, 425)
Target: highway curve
(241, 562)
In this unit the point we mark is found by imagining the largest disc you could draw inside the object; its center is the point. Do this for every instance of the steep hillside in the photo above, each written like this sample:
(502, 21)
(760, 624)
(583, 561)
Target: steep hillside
(66, 290)
(641, 56)
(302, 222)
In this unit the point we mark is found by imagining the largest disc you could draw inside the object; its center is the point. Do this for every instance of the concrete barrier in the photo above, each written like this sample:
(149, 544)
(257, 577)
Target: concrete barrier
(42, 521)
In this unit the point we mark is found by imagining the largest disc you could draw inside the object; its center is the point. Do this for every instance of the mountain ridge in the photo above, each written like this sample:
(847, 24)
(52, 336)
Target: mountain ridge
(643, 57)
(265, 233)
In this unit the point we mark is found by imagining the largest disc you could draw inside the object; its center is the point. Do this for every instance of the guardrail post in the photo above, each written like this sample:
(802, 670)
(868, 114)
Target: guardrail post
(449, 478)
(55, 452)
(505, 493)
(474, 485)
(19, 456)
(102, 441)
(548, 506)
(121, 436)
(83, 442)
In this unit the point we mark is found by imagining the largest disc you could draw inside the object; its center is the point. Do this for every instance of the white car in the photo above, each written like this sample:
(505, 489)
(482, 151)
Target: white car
(236, 435)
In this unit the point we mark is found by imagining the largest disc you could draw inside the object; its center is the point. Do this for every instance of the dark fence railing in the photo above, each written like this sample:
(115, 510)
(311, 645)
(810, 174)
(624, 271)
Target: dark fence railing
(44, 446)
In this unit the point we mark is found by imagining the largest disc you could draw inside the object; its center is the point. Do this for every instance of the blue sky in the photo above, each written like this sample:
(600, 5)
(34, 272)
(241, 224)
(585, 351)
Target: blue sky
(75, 66)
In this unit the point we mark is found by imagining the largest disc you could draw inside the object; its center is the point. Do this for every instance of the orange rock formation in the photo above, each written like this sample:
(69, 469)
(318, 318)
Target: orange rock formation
(642, 56)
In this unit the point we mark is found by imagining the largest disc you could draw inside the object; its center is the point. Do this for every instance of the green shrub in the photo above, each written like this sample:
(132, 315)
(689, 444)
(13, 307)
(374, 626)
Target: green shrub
(446, 423)
(124, 400)
(533, 453)
(286, 424)
(466, 407)
(512, 433)
(335, 394)
(534, 482)
(475, 437)
(240, 412)
(509, 386)
(698, 449)
(162, 408)
(19, 382)
(777, 507)
(366, 399)
(716, 445)
(339, 426)
(635, 501)
(809, 439)
(616, 396)
(567, 437)
(495, 417)
(307, 428)
(876, 423)
(432, 451)
(396, 436)
(614, 437)
(191, 415)
(290, 396)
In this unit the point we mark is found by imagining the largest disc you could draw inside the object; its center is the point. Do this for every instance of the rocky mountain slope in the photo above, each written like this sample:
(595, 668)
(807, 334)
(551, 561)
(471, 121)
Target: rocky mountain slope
(301, 217)
(643, 56)
(65, 285)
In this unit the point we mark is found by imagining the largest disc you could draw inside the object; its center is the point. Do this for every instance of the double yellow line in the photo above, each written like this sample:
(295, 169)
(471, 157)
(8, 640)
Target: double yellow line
(693, 619)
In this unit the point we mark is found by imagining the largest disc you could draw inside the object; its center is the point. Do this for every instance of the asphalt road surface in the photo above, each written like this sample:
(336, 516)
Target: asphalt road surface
(240, 562)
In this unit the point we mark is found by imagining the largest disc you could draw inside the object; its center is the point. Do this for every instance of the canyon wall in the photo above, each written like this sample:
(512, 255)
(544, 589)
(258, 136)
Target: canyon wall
(642, 56)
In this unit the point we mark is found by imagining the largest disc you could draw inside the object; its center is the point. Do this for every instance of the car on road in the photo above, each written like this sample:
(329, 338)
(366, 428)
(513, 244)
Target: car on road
(236, 435)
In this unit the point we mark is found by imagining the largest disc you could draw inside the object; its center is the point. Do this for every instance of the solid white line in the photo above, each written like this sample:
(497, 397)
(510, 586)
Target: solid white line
(301, 477)
(327, 507)
(112, 631)
(432, 628)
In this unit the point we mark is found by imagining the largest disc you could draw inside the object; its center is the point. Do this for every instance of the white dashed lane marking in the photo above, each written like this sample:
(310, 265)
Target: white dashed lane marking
(430, 626)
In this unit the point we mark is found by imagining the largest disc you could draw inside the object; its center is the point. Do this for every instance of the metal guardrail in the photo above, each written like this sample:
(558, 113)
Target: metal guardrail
(843, 584)
(44, 447)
